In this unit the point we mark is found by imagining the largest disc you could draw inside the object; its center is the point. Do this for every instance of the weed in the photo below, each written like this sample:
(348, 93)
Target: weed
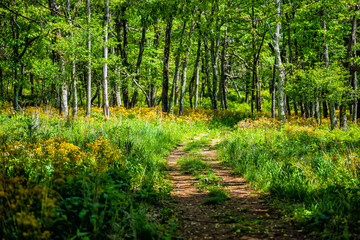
(192, 164)
(216, 195)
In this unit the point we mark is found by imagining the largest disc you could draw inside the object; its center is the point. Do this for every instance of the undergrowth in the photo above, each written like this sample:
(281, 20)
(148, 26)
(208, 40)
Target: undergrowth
(313, 170)
(88, 178)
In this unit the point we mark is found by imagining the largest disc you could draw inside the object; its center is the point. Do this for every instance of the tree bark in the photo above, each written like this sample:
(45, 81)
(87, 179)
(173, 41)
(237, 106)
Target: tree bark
(165, 84)
(343, 117)
(183, 80)
(351, 55)
(333, 118)
(214, 50)
(279, 66)
(196, 74)
(207, 72)
(123, 49)
(75, 99)
(88, 98)
(222, 85)
(177, 67)
(105, 65)
(273, 92)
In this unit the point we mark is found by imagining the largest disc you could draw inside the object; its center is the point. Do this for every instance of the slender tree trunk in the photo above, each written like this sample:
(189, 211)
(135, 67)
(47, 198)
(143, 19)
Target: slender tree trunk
(196, 74)
(333, 118)
(295, 107)
(118, 94)
(317, 107)
(202, 92)
(355, 104)
(222, 85)
(88, 98)
(247, 87)
(138, 65)
(105, 55)
(258, 94)
(73, 72)
(64, 89)
(75, 99)
(273, 92)
(351, 55)
(207, 72)
(343, 117)
(279, 66)
(214, 63)
(183, 80)
(165, 84)
(173, 93)
(125, 84)
(325, 109)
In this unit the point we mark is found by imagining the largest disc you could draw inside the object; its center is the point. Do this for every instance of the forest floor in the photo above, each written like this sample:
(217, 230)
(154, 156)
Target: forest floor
(245, 214)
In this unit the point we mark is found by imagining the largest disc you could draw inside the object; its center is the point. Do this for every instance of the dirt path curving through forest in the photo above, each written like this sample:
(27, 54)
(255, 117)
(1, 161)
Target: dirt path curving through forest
(245, 215)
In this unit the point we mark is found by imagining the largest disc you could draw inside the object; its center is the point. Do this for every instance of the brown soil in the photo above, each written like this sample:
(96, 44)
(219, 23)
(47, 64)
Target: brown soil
(246, 215)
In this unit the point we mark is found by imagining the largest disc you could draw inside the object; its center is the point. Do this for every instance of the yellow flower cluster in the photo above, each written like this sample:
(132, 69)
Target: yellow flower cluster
(55, 151)
(102, 154)
(261, 122)
(21, 202)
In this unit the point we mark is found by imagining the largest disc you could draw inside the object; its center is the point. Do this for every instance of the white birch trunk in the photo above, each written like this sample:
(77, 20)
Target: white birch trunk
(279, 66)
(88, 99)
(105, 55)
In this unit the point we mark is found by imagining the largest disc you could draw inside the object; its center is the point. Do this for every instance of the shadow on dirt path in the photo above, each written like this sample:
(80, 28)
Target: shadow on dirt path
(245, 215)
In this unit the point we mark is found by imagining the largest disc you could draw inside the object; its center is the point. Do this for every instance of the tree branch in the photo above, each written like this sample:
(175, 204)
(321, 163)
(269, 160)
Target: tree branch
(20, 15)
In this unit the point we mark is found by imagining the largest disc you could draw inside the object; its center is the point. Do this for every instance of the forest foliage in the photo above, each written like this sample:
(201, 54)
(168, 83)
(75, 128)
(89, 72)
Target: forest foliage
(94, 95)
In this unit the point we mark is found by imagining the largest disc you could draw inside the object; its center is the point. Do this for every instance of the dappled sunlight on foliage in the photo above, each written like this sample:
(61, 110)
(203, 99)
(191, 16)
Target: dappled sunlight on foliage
(304, 163)
(63, 177)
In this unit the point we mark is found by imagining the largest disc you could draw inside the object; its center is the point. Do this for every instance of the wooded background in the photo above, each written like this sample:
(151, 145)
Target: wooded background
(299, 57)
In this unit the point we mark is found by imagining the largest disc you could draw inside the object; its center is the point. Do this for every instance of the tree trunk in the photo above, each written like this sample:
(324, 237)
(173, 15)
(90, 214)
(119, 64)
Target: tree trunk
(279, 66)
(138, 65)
(295, 107)
(343, 117)
(333, 118)
(258, 94)
(123, 48)
(351, 55)
(105, 55)
(207, 72)
(173, 94)
(273, 92)
(214, 50)
(64, 89)
(355, 103)
(118, 94)
(325, 109)
(16, 91)
(165, 84)
(222, 85)
(196, 74)
(75, 99)
(88, 98)
(183, 80)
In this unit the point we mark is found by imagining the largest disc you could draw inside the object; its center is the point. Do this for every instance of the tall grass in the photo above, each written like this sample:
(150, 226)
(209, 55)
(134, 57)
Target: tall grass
(88, 178)
(314, 170)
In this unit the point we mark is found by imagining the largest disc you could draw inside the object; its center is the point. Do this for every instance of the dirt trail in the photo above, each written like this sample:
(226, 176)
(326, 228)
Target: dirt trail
(246, 215)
